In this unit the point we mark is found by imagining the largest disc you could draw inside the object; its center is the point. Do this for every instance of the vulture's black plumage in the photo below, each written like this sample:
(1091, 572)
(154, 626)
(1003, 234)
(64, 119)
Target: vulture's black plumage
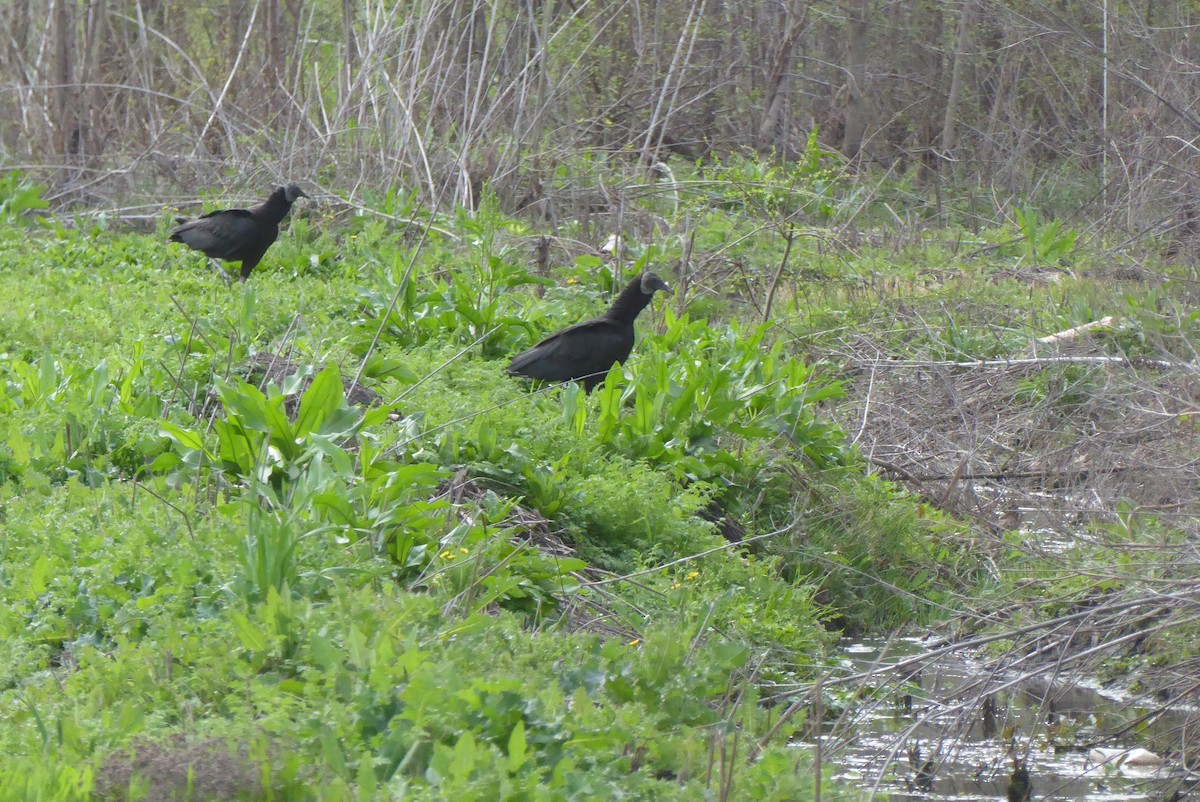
(1020, 788)
(585, 352)
(239, 235)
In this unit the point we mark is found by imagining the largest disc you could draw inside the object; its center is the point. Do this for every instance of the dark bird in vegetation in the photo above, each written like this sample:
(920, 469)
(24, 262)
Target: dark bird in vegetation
(585, 352)
(924, 779)
(238, 235)
(1020, 788)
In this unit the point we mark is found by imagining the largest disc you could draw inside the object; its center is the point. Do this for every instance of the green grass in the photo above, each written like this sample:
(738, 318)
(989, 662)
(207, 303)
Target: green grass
(285, 598)
(219, 588)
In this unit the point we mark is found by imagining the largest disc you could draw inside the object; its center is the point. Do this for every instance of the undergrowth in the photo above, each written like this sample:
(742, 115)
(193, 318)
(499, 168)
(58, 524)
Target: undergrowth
(215, 576)
(473, 589)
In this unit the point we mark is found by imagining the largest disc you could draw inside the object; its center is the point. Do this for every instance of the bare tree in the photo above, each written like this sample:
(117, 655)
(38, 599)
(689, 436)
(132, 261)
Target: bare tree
(956, 79)
(150, 96)
(772, 132)
(856, 79)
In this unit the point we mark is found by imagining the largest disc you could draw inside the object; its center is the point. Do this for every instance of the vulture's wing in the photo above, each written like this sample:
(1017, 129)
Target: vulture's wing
(226, 213)
(227, 234)
(585, 349)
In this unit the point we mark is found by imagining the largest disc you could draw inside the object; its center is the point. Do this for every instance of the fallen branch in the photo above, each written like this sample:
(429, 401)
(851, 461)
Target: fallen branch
(1074, 333)
(1122, 361)
(956, 477)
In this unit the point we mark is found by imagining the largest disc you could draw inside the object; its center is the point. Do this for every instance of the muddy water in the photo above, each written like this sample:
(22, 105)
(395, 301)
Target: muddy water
(894, 729)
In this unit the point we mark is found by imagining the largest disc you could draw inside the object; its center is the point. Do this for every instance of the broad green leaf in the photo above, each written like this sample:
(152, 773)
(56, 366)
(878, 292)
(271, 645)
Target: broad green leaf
(377, 415)
(366, 781)
(164, 462)
(47, 377)
(38, 576)
(342, 423)
(610, 404)
(566, 565)
(322, 398)
(379, 367)
(516, 747)
(246, 406)
(250, 636)
(182, 437)
(331, 750)
(463, 762)
(280, 432)
(99, 386)
(247, 402)
(294, 382)
(356, 647)
(235, 446)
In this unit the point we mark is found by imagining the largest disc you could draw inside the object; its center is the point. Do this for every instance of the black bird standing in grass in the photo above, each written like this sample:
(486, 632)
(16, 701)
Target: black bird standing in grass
(238, 235)
(584, 352)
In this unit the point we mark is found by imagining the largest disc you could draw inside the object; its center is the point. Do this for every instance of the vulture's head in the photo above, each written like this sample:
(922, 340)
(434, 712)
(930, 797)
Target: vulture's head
(293, 191)
(652, 283)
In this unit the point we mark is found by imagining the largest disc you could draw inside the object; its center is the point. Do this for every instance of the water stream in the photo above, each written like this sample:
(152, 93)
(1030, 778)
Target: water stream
(934, 721)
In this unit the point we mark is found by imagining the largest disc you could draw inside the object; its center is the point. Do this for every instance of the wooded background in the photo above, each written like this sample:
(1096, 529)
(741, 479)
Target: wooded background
(116, 100)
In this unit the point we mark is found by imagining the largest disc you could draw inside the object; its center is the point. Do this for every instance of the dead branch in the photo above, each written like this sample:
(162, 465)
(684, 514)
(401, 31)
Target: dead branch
(1075, 332)
(1037, 361)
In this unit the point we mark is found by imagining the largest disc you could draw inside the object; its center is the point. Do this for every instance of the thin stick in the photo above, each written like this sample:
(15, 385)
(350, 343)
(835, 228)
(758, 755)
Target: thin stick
(789, 238)
(187, 521)
(229, 82)
(818, 714)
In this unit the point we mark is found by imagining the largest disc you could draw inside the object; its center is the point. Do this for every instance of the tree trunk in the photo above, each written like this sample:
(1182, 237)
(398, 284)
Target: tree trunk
(350, 58)
(274, 50)
(94, 37)
(772, 132)
(18, 23)
(988, 147)
(235, 29)
(21, 15)
(956, 79)
(856, 63)
(64, 69)
(929, 19)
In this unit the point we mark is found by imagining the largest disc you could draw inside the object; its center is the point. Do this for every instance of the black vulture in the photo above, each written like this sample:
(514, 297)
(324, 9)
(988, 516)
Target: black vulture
(1020, 788)
(585, 352)
(239, 235)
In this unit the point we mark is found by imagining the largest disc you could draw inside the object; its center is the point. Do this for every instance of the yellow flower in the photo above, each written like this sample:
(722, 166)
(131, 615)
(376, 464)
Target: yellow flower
(676, 585)
(464, 550)
(693, 574)
(448, 554)
(635, 642)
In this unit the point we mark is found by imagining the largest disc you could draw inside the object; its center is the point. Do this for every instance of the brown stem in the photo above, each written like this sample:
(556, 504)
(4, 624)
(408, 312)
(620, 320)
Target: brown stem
(789, 238)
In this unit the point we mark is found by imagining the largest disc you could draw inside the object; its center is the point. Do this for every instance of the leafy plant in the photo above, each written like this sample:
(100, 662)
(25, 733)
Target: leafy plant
(257, 440)
(699, 395)
(806, 187)
(19, 196)
(1044, 242)
(476, 304)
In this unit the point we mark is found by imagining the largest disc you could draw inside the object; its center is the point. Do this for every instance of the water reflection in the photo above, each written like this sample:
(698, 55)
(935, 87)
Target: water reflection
(938, 735)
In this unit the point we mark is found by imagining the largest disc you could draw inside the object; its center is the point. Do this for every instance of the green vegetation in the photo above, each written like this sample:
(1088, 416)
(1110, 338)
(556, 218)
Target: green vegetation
(225, 585)
(250, 586)
(930, 365)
